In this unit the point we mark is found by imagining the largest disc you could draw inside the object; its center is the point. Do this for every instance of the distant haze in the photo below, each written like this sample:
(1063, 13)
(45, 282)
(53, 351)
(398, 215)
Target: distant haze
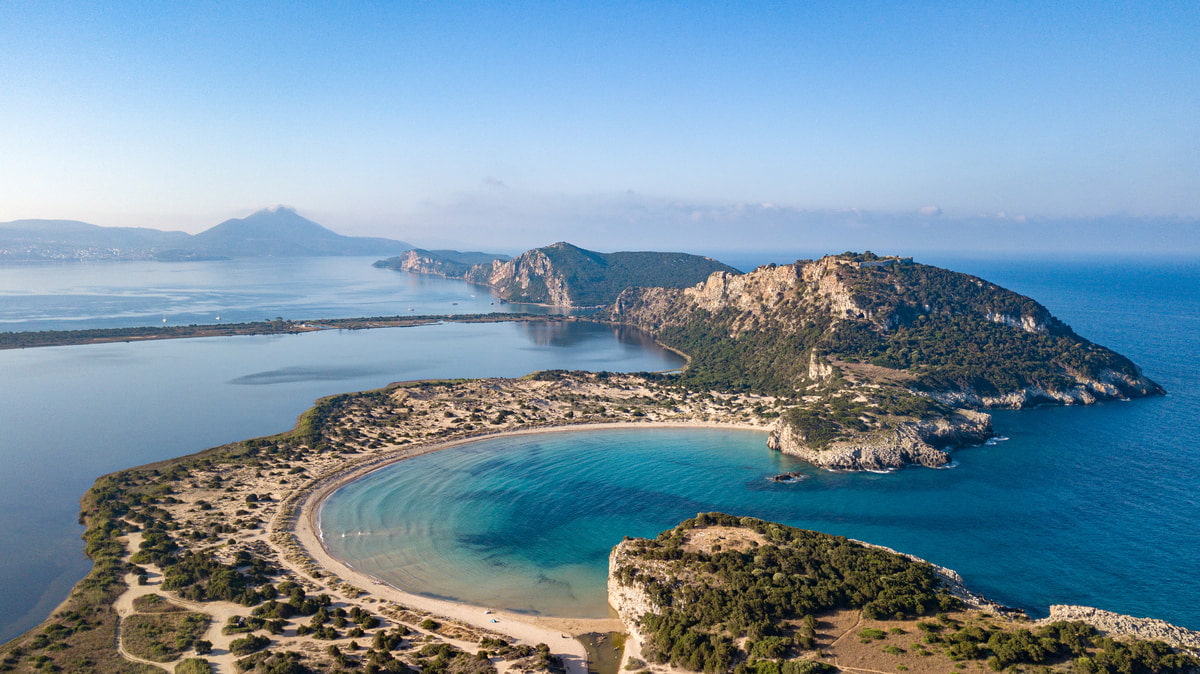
(816, 124)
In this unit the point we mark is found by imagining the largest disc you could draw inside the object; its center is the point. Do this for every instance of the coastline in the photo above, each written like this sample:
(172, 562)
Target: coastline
(309, 501)
(43, 338)
(271, 491)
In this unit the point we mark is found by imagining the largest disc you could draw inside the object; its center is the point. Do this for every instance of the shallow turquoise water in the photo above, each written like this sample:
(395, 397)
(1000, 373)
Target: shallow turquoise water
(525, 522)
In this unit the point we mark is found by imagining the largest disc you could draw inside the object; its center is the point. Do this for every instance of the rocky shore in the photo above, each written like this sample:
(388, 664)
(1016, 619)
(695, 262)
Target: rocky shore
(919, 442)
(1116, 624)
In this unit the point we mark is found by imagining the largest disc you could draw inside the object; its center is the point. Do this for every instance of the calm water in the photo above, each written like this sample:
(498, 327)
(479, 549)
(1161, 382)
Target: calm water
(1094, 505)
(71, 296)
(70, 414)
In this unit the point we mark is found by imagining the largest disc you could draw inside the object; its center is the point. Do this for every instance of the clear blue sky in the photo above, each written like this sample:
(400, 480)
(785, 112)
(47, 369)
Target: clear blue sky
(517, 122)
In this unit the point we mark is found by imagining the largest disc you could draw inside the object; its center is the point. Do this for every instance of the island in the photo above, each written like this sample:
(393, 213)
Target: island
(851, 362)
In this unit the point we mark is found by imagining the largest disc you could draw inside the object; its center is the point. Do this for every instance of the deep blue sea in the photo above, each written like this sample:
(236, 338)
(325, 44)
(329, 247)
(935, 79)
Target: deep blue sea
(1093, 505)
(1090, 505)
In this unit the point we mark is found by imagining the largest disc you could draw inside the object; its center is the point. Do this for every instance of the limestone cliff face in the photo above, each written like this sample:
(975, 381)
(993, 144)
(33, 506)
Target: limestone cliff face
(630, 601)
(444, 263)
(774, 297)
(420, 262)
(1107, 385)
(565, 275)
(530, 277)
(917, 442)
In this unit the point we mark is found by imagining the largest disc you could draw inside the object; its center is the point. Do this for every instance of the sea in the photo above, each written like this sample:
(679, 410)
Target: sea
(1086, 505)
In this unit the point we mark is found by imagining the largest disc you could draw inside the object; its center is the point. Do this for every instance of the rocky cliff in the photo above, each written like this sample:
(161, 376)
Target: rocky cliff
(565, 275)
(1116, 624)
(444, 263)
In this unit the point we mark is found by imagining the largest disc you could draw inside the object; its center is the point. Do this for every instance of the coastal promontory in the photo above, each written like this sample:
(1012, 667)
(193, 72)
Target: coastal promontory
(564, 275)
(887, 361)
(720, 593)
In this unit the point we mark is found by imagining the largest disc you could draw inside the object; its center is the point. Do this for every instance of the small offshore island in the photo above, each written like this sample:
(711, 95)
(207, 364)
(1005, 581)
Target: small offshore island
(852, 362)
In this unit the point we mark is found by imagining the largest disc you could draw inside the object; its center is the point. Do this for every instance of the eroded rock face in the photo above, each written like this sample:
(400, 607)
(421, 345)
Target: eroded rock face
(529, 277)
(913, 442)
(630, 601)
(1116, 624)
(417, 262)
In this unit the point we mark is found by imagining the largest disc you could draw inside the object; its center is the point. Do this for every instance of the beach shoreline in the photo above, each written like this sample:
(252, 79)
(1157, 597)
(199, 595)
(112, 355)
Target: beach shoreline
(306, 515)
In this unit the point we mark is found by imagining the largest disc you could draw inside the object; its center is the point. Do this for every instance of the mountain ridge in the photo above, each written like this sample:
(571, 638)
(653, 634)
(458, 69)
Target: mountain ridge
(271, 232)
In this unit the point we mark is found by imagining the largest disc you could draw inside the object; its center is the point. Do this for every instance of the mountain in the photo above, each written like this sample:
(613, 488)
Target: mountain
(884, 353)
(281, 232)
(275, 232)
(73, 240)
(565, 275)
(445, 263)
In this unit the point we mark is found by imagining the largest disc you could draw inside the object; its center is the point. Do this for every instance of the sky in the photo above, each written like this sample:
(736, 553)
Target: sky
(619, 125)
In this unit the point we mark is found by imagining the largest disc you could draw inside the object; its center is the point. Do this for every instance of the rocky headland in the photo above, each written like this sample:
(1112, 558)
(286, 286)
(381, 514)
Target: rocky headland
(886, 362)
(444, 263)
(561, 274)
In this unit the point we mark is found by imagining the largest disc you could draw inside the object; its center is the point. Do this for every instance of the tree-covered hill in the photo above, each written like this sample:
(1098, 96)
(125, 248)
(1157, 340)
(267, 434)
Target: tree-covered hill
(798, 328)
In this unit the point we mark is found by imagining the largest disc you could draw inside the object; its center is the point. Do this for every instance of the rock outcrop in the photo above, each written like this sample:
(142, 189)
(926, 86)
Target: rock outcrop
(568, 276)
(918, 442)
(444, 263)
(1115, 624)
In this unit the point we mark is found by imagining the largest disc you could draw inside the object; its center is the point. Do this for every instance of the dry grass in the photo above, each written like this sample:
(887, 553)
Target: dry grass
(162, 637)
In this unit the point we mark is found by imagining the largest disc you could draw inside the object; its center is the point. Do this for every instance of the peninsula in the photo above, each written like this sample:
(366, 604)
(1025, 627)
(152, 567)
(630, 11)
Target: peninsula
(720, 593)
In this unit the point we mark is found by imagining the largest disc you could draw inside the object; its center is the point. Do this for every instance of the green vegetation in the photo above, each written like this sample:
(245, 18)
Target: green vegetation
(951, 331)
(1058, 643)
(759, 593)
(162, 637)
(768, 595)
(193, 666)
(248, 644)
